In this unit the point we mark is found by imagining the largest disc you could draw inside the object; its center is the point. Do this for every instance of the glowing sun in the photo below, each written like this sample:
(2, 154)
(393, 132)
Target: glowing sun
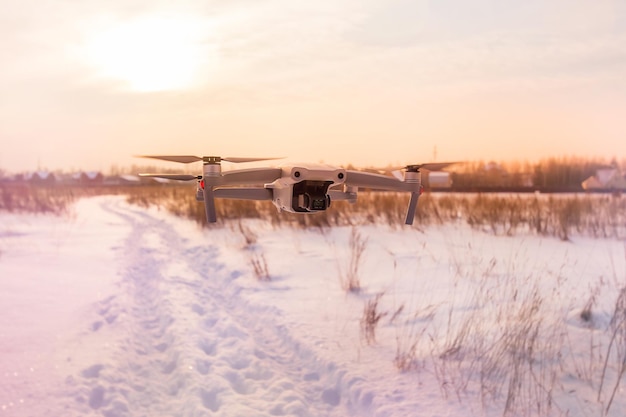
(151, 53)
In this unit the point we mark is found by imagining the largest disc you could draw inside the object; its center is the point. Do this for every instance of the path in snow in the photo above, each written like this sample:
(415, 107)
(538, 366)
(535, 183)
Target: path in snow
(120, 311)
(182, 341)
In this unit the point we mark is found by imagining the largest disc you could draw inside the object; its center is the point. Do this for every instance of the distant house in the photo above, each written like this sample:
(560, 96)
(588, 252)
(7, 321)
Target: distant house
(605, 179)
(40, 178)
(88, 178)
(438, 180)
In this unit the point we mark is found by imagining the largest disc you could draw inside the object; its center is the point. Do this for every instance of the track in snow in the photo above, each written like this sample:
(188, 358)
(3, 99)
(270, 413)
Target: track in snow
(189, 345)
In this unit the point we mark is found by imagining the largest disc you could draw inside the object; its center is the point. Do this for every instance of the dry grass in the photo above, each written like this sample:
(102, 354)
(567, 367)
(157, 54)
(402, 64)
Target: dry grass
(371, 317)
(411, 336)
(249, 236)
(260, 267)
(616, 349)
(349, 276)
(497, 340)
(560, 216)
(504, 341)
(25, 198)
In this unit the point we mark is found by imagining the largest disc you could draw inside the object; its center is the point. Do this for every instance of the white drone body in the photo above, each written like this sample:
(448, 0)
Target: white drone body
(298, 188)
(305, 188)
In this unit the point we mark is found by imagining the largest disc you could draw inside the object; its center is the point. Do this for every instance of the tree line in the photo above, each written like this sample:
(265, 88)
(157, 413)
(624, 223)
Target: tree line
(564, 174)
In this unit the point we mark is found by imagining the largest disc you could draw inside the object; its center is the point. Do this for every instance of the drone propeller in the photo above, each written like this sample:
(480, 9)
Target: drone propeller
(177, 177)
(398, 174)
(431, 166)
(186, 159)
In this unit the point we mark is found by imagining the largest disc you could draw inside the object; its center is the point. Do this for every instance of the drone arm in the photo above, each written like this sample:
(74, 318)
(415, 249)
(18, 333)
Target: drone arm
(375, 181)
(212, 179)
(244, 193)
(250, 176)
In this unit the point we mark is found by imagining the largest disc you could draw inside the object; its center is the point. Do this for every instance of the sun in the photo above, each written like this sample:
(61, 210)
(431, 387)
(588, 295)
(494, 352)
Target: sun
(151, 53)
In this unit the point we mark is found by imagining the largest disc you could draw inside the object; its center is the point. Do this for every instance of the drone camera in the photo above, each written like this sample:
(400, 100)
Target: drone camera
(311, 196)
(308, 203)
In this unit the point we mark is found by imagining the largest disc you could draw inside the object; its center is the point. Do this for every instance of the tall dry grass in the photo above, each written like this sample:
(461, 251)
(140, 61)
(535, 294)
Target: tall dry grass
(511, 339)
(26, 198)
(349, 275)
(502, 214)
(497, 339)
(558, 215)
(616, 351)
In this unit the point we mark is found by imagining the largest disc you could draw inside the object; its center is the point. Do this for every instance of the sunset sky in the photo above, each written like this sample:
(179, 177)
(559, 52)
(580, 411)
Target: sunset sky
(89, 84)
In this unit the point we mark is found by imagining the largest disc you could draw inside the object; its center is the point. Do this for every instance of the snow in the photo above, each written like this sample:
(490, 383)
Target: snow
(121, 311)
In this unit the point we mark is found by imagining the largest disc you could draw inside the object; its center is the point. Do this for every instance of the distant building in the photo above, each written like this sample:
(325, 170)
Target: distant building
(605, 179)
(40, 178)
(88, 178)
(438, 180)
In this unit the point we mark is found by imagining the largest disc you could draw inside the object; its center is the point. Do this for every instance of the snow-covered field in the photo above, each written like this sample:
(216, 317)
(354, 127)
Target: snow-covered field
(121, 311)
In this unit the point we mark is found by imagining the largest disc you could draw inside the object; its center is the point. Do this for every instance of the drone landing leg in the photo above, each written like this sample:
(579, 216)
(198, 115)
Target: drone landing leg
(410, 212)
(209, 205)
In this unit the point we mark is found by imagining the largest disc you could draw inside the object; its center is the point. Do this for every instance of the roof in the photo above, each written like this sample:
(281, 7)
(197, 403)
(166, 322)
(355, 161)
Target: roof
(39, 176)
(605, 179)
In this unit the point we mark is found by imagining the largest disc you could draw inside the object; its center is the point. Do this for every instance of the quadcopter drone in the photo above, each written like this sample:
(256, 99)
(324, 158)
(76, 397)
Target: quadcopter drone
(301, 188)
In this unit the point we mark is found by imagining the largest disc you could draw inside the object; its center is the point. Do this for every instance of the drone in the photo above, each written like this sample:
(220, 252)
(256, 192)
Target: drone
(295, 188)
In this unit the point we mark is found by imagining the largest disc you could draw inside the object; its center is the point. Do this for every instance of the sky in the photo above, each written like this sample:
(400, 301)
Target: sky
(90, 84)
